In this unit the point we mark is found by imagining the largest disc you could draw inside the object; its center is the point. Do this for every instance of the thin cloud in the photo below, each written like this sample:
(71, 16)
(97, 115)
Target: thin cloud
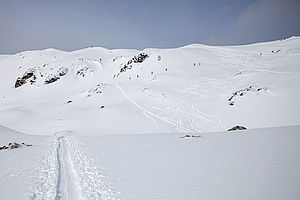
(267, 20)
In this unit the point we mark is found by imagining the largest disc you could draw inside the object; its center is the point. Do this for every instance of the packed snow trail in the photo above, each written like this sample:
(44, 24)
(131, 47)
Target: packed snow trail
(59, 168)
(67, 174)
(66, 187)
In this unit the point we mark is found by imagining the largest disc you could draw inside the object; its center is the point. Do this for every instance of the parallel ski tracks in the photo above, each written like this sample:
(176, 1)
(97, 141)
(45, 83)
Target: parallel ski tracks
(67, 174)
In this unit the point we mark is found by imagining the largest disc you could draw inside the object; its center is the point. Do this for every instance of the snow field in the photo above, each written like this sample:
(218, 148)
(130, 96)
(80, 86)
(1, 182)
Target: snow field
(251, 165)
(92, 183)
(139, 105)
(47, 178)
(170, 90)
(66, 173)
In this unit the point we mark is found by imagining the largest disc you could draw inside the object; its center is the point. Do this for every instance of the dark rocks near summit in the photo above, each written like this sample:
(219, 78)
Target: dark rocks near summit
(136, 59)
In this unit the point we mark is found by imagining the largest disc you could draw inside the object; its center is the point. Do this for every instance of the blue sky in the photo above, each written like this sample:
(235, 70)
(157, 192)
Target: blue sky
(75, 24)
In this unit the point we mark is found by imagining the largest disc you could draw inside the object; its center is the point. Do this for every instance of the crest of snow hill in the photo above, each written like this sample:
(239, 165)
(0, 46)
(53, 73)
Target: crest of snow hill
(194, 88)
(47, 74)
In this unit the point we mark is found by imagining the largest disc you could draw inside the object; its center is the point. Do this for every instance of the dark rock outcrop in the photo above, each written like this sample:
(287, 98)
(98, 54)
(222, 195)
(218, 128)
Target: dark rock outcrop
(231, 99)
(140, 58)
(136, 59)
(14, 145)
(62, 71)
(51, 79)
(19, 82)
(235, 128)
(54, 77)
(190, 136)
(28, 76)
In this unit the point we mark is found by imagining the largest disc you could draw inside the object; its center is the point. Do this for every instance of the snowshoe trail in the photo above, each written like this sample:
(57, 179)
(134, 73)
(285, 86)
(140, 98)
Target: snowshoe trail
(67, 174)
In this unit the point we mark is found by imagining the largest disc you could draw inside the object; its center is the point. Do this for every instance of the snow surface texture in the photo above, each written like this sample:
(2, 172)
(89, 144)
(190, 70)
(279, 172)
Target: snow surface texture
(67, 173)
(250, 165)
(53, 168)
(195, 88)
(19, 167)
(94, 106)
(253, 164)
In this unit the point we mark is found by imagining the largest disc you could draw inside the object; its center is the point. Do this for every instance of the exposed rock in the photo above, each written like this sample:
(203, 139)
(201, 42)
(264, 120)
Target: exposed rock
(51, 79)
(235, 128)
(19, 82)
(14, 145)
(159, 58)
(28, 145)
(97, 90)
(54, 77)
(83, 71)
(243, 92)
(239, 73)
(275, 51)
(136, 59)
(28, 76)
(62, 71)
(190, 136)
(140, 58)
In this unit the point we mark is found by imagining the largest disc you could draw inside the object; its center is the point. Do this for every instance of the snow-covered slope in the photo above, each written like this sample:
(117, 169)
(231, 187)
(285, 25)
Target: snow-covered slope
(195, 88)
(254, 164)
(19, 167)
(116, 95)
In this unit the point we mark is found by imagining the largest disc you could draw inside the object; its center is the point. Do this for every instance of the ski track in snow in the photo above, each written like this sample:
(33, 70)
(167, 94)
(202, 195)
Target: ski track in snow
(174, 123)
(59, 168)
(243, 60)
(67, 184)
(66, 173)
(187, 109)
(180, 115)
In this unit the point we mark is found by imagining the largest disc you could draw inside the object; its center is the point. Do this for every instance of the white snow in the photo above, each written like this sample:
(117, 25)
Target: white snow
(19, 167)
(107, 124)
(184, 89)
(254, 164)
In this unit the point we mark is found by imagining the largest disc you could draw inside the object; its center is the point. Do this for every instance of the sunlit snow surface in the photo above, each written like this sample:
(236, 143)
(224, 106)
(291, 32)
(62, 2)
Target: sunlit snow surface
(254, 164)
(257, 164)
(187, 89)
(108, 124)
